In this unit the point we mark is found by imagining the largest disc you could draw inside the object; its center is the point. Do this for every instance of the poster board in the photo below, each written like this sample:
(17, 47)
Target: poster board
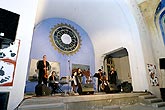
(153, 75)
(84, 68)
(33, 73)
(8, 59)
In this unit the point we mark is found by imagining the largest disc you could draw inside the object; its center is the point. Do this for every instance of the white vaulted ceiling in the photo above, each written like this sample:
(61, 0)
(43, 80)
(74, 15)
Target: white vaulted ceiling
(49, 8)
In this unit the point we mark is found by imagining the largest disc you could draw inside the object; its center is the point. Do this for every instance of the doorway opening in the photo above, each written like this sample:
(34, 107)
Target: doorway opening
(120, 61)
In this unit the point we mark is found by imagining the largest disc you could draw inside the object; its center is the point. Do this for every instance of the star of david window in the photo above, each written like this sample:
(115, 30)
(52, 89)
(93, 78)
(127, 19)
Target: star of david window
(65, 39)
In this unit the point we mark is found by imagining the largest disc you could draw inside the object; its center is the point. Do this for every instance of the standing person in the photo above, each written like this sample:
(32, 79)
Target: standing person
(112, 76)
(80, 75)
(74, 82)
(43, 66)
(99, 76)
(77, 79)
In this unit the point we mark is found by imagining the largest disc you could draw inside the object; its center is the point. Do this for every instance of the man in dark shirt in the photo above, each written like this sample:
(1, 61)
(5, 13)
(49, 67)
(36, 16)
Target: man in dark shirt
(99, 76)
(43, 66)
(112, 76)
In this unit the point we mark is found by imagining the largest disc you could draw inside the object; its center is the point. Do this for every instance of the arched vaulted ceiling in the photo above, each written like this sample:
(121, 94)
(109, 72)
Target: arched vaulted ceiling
(47, 8)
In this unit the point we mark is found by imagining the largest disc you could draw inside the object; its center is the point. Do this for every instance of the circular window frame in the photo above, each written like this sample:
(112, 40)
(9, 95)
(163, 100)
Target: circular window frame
(55, 37)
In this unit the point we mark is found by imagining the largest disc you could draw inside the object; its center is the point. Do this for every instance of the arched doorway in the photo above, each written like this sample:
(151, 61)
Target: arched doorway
(120, 61)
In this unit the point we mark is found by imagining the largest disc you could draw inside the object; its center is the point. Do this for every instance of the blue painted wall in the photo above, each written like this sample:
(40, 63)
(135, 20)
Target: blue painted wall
(41, 45)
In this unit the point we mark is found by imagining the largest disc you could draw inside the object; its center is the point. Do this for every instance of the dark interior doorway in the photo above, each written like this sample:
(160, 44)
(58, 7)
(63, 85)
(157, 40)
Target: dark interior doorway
(120, 61)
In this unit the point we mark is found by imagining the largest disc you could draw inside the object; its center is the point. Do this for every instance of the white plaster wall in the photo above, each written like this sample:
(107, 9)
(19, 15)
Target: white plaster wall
(123, 69)
(122, 31)
(27, 10)
(146, 43)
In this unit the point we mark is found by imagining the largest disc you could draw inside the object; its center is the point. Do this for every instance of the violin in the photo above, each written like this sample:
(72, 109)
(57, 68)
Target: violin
(103, 84)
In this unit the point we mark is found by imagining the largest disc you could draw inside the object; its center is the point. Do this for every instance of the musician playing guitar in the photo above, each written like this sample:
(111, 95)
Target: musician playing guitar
(43, 67)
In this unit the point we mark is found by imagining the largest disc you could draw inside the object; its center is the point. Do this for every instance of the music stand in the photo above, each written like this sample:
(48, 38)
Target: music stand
(69, 78)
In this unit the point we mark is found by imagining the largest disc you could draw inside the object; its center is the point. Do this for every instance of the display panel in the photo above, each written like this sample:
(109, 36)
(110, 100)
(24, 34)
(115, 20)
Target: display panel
(8, 26)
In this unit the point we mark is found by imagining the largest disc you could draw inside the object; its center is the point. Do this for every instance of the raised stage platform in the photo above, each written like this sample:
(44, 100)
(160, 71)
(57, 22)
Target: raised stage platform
(97, 101)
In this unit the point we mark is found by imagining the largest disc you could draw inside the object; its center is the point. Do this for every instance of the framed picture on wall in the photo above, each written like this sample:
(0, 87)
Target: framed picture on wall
(153, 74)
(8, 59)
(84, 68)
(33, 72)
